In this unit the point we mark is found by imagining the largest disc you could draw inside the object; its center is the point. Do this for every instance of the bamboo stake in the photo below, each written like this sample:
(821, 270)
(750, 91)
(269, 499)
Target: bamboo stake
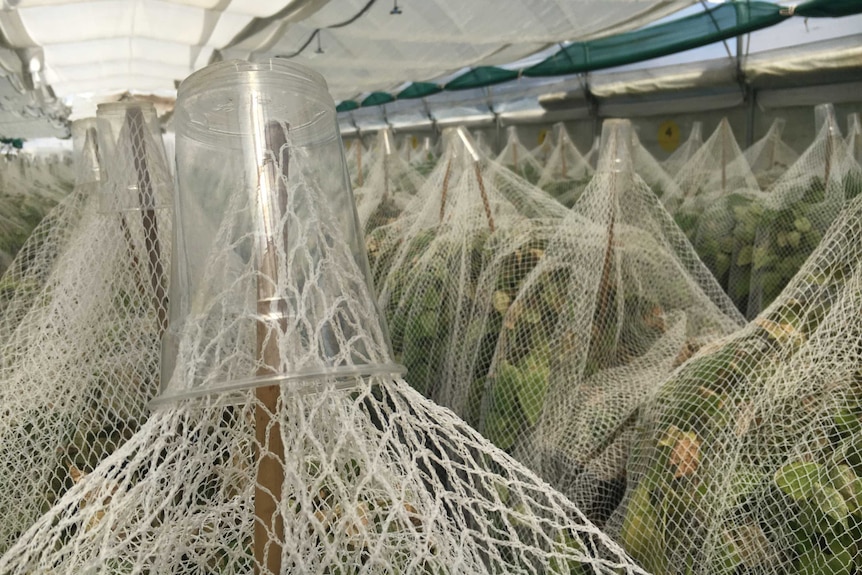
(146, 198)
(359, 162)
(269, 523)
(445, 189)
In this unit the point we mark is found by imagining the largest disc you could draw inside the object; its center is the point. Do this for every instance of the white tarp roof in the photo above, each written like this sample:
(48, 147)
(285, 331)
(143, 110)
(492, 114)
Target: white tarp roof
(110, 46)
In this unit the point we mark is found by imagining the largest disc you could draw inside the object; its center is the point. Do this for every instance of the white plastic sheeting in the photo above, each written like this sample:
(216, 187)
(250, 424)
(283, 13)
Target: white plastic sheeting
(103, 46)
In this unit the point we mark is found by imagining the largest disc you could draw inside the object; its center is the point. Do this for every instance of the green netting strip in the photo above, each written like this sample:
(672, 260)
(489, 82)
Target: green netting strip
(419, 90)
(481, 77)
(719, 23)
(714, 25)
(377, 98)
(346, 106)
(829, 8)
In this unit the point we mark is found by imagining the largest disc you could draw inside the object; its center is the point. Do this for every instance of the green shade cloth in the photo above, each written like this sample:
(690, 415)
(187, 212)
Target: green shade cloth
(481, 77)
(419, 90)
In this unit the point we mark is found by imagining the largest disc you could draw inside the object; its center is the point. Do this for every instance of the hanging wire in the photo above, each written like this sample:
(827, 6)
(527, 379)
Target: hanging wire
(316, 33)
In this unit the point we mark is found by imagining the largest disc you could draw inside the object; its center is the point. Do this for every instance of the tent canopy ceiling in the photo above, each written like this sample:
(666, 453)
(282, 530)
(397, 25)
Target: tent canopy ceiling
(92, 49)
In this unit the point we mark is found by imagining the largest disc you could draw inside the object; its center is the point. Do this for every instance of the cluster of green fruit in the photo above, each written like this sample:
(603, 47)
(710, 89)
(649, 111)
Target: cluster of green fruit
(737, 473)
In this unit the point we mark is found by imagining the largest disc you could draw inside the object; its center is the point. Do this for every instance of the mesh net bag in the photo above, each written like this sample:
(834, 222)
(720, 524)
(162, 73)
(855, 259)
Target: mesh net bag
(25, 278)
(592, 156)
(770, 156)
(390, 186)
(610, 304)
(718, 168)
(426, 265)
(483, 145)
(749, 457)
(79, 365)
(680, 157)
(29, 189)
(799, 208)
(358, 161)
(651, 172)
(854, 137)
(425, 159)
(566, 172)
(545, 148)
(517, 158)
(283, 443)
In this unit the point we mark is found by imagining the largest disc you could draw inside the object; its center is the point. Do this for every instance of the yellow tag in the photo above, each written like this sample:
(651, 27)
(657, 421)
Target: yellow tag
(414, 141)
(542, 135)
(668, 136)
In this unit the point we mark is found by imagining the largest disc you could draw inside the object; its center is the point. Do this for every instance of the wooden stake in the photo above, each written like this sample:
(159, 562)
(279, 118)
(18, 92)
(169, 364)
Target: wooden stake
(485, 201)
(146, 199)
(269, 523)
(445, 189)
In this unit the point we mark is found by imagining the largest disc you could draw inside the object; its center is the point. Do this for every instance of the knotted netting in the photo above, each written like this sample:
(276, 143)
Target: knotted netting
(358, 161)
(592, 156)
(680, 157)
(798, 209)
(614, 299)
(29, 189)
(566, 172)
(651, 171)
(770, 156)
(390, 185)
(518, 158)
(854, 136)
(545, 148)
(483, 144)
(283, 442)
(80, 358)
(425, 158)
(24, 279)
(716, 169)
(426, 264)
(749, 457)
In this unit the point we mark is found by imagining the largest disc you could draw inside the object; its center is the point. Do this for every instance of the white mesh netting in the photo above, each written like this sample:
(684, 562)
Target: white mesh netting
(566, 172)
(80, 358)
(390, 185)
(427, 263)
(651, 172)
(349, 473)
(25, 278)
(770, 156)
(592, 156)
(799, 207)
(29, 189)
(517, 158)
(425, 158)
(545, 148)
(749, 457)
(680, 157)
(358, 161)
(581, 326)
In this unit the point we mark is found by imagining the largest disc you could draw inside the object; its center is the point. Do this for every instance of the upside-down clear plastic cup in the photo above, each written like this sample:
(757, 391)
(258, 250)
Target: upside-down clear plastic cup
(268, 249)
(134, 172)
(85, 151)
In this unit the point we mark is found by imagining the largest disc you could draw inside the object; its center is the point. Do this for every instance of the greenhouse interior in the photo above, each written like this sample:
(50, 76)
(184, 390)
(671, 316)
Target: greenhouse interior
(343, 287)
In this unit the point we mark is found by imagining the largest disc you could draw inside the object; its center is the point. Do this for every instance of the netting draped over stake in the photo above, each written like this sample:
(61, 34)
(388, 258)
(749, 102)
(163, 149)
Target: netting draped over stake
(592, 156)
(799, 207)
(80, 356)
(26, 276)
(609, 305)
(566, 172)
(543, 151)
(749, 459)
(651, 172)
(29, 189)
(770, 156)
(425, 158)
(674, 163)
(283, 444)
(517, 158)
(390, 185)
(359, 159)
(426, 264)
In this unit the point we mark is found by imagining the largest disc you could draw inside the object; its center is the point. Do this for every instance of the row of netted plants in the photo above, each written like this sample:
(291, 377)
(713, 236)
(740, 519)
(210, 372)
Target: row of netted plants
(749, 458)
(82, 313)
(754, 241)
(544, 327)
(29, 188)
